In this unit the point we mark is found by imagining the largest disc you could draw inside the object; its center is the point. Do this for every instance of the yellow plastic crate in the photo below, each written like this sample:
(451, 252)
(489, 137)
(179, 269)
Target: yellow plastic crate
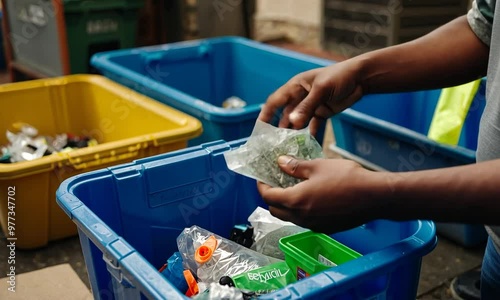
(126, 124)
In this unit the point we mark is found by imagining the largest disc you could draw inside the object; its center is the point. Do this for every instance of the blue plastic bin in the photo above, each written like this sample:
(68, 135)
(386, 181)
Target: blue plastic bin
(195, 77)
(390, 131)
(129, 217)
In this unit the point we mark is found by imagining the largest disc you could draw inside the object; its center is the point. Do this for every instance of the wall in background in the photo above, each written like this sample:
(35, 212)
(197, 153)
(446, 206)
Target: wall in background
(307, 12)
(296, 20)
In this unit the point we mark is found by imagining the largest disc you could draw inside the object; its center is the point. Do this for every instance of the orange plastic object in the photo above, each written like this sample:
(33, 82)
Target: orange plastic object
(192, 284)
(205, 251)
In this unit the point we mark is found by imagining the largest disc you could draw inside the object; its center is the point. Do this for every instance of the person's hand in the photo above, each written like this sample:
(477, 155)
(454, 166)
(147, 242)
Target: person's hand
(336, 194)
(314, 96)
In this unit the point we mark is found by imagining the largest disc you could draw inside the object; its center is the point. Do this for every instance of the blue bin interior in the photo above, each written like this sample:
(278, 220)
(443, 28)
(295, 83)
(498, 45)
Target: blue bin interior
(150, 201)
(215, 69)
(414, 111)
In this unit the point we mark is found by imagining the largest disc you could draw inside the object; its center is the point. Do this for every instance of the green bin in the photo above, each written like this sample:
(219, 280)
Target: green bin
(97, 26)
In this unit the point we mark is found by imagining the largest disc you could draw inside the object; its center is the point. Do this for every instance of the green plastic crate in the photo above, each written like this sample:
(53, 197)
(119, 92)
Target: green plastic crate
(308, 253)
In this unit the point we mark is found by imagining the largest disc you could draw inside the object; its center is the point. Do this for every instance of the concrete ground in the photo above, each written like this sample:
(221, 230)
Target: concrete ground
(438, 268)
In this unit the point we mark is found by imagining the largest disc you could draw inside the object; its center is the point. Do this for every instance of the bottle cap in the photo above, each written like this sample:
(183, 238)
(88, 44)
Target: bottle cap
(205, 251)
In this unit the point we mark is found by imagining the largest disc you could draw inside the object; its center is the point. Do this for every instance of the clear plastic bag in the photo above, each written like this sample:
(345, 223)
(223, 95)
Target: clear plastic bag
(225, 258)
(257, 158)
(263, 222)
(268, 230)
(269, 244)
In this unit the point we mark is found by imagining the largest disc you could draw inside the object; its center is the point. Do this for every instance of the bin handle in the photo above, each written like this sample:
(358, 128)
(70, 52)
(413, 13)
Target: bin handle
(178, 54)
(78, 165)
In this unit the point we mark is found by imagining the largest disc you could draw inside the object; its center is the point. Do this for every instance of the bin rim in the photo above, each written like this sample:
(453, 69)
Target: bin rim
(404, 134)
(420, 243)
(103, 62)
(189, 127)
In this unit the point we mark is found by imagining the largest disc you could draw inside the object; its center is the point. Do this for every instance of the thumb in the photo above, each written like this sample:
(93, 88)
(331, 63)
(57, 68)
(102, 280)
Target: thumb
(295, 167)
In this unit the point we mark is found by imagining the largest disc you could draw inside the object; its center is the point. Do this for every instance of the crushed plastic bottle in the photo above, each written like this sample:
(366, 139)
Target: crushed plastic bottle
(24, 147)
(211, 257)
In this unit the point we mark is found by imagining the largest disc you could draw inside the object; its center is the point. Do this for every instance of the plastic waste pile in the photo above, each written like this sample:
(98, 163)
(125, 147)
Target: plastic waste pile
(253, 261)
(26, 144)
(247, 264)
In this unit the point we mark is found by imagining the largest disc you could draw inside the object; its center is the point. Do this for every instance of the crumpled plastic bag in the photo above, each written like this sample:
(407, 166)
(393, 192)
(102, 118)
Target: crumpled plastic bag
(268, 230)
(269, 244)
(258, 157)
(263, 223)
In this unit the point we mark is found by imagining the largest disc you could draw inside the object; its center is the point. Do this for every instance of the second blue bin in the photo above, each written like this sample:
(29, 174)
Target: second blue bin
(196, 77)
(390, 131)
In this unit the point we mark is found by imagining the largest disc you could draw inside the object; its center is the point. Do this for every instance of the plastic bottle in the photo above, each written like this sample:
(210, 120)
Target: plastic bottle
(211, 257)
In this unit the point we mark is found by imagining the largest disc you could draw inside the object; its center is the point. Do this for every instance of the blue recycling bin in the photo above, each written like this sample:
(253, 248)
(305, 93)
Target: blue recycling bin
(196, 77)
(129, 217)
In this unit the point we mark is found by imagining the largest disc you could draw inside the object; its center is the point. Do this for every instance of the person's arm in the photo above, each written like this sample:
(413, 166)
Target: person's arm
(339, 194)
(465, 194)
(451, 55)
(448, 56)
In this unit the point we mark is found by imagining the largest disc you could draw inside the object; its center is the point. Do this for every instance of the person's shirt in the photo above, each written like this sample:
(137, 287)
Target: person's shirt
(484, 19)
